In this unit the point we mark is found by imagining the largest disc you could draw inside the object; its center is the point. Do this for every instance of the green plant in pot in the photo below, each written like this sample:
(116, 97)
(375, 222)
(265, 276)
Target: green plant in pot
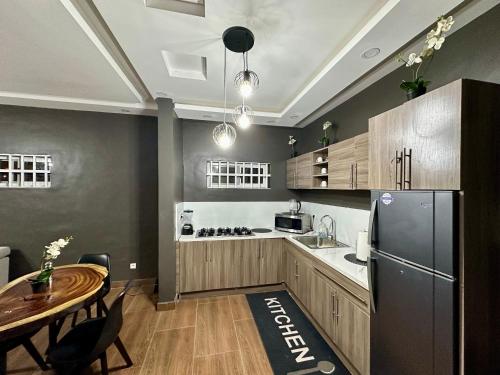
(325, 140)
(418, 63)
(50, 254)
(291, 143)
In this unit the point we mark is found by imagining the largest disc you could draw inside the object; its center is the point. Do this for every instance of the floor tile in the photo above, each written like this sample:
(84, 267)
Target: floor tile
(183, 316)
(253, 354)
(239, 307)
(219, 364)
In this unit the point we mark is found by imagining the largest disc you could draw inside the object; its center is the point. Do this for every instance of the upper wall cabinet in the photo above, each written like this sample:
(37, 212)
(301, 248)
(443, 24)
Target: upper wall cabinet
(342, 166)
(299, 172)
(417, 145)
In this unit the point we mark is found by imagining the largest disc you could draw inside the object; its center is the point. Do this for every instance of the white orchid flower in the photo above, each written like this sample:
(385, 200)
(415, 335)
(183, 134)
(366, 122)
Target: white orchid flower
(446, 23)
(431, 34)
(413, 59)
(62, 242)
(326, 125)
(435, 42)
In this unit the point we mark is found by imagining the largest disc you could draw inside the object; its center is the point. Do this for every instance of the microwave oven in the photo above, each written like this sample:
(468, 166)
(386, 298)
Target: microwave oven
(293, 223)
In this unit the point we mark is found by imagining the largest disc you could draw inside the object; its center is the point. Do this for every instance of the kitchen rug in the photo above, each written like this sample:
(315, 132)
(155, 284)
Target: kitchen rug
(292, 344)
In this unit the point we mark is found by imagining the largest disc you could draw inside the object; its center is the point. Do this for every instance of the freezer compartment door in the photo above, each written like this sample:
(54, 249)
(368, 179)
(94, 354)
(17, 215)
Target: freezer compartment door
(405, 225)
(401, 329)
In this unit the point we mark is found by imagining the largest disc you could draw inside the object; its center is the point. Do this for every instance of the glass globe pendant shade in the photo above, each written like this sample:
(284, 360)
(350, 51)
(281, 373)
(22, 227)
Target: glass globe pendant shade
(246, 82)
(243, 116)
(224, 135)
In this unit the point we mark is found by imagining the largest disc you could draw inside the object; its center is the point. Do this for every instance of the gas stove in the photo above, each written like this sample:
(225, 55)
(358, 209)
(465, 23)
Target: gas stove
(224, 232)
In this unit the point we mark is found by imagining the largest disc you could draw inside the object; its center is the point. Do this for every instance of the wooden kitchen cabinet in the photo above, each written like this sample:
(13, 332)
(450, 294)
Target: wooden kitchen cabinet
(323, 302)
(341, 164)
(271, 254)
(247, 263)
(352, 331)
(291, 268)
(193, 266)
(291, 173)
(304, 171)
(417, 145)
(361, 143)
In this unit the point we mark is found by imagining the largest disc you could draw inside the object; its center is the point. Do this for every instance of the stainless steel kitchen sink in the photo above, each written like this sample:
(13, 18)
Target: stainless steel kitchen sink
(313, 243)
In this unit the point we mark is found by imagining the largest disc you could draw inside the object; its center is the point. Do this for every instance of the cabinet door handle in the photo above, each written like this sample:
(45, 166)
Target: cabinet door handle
(206, 253)
(337, 315)
(407, 166)
(399, 165)
(355, 175)
(334, 311)
(352, 176)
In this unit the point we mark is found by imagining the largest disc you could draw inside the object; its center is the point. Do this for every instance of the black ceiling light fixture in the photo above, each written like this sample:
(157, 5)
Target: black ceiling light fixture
(241, 40)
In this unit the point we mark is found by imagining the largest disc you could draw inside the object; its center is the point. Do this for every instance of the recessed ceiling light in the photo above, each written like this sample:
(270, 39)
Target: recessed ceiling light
(370, 53)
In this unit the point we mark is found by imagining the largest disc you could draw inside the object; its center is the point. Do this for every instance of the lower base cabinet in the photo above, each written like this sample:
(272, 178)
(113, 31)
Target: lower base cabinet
(335, 306)
(210, 265)
(341, 314)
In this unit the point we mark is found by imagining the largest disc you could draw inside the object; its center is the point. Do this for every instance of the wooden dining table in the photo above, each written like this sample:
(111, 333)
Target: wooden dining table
(21, 312)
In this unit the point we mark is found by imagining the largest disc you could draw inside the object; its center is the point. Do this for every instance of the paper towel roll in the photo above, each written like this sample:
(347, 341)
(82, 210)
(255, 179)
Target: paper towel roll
(362, 247)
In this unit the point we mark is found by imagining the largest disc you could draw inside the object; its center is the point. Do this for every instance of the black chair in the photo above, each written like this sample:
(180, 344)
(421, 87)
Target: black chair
(101, 260)
(24, 340)
(88, 341)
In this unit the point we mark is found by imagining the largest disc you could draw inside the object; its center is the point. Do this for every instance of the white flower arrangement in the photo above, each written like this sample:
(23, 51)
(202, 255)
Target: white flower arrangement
(325, 140)
(433, 42)
(291, 143)
(52, 251)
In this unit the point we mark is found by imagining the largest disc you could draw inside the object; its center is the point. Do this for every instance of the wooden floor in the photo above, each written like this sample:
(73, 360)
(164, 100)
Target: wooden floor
(215, 335)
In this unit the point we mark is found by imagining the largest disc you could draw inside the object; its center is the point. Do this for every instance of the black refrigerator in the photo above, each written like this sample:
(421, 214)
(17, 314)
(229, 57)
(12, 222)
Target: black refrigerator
(412, 275)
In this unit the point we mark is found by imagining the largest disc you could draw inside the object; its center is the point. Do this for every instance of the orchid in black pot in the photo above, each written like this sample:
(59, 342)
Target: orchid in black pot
(418, 63)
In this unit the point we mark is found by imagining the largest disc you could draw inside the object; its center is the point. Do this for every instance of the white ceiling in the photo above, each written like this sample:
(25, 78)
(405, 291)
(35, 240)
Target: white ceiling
(61, 54)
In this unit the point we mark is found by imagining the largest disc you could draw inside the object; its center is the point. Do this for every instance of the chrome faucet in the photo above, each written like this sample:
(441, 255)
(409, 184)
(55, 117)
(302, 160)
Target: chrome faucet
(327, 232)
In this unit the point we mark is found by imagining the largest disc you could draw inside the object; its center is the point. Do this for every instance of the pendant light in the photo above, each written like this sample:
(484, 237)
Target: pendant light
(243, 116)
(246, 81)
(224, 134)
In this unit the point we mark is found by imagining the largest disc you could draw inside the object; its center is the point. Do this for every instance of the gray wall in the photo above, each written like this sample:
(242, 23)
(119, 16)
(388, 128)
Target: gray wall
(471, 52)
(258, 143)
(170, 192)
(104, 188)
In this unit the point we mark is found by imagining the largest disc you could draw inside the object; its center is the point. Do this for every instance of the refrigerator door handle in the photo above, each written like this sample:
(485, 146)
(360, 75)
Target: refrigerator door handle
(371, 276)
(373, 212)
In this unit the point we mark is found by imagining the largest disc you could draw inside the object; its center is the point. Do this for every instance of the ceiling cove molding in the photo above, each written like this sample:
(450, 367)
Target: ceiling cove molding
(465, 14)
(77, 104)
(87, 17)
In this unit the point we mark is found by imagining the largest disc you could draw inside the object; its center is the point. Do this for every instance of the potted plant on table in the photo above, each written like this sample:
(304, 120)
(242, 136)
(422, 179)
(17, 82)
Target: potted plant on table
(50, 254)
(291, 143)
(325, 140)
(433, 42)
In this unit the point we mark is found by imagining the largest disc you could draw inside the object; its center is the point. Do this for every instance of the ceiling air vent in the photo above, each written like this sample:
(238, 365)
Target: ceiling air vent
(192, 7)
(185, 66)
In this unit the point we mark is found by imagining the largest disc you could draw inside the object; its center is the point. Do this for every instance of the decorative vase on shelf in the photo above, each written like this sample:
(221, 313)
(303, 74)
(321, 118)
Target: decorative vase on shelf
(412, 94)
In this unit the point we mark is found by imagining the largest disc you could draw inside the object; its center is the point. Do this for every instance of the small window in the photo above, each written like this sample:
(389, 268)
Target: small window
(25, 171)
(238, 175)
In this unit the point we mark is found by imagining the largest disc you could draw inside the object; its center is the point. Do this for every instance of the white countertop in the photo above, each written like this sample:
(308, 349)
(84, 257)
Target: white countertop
(333, 257)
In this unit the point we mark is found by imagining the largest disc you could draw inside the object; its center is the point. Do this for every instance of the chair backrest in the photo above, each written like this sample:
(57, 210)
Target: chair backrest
(112, 324)
(101, 259)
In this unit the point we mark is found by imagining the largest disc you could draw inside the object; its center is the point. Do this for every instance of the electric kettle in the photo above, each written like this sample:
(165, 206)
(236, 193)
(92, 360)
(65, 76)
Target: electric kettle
(294, 206)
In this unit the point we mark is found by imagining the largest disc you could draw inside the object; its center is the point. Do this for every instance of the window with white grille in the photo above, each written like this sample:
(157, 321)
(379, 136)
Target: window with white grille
(238, 175)
(25, 171)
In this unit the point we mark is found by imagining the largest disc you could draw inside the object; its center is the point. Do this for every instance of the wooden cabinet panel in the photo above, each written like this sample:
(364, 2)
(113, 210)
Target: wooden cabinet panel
(432, 133)
(193, 272)
(271, 251)
(291, 173)
(322, 303)
(352, 332)
(291, 268)
(304, 171)
(385, 134)
(361, 162)
(223, 263)
(341, 165)
(304, 282)
(248, 261)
